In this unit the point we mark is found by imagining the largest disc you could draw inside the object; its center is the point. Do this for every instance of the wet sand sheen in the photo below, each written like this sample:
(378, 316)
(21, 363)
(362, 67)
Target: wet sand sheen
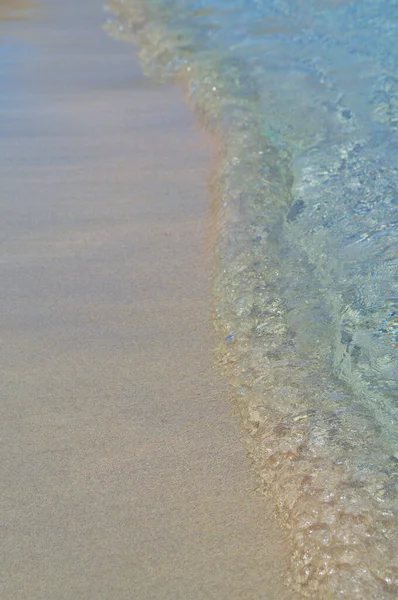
(124, 474)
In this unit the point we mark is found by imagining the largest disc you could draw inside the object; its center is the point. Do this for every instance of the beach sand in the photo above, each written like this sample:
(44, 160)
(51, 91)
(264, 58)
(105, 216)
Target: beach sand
(123, 476)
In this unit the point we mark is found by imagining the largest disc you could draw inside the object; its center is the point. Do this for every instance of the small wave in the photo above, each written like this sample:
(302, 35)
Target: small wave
(306, 285)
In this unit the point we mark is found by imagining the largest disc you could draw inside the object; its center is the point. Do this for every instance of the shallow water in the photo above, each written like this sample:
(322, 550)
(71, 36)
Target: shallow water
(305, 97)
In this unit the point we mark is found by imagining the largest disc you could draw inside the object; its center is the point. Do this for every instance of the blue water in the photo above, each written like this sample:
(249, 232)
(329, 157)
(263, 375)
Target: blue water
(304, 95)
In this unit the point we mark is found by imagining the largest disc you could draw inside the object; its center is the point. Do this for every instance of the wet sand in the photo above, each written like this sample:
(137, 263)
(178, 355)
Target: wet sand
(123, 473)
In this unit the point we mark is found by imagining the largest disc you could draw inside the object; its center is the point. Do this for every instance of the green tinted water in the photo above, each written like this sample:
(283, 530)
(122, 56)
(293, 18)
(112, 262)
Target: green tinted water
(304, 97)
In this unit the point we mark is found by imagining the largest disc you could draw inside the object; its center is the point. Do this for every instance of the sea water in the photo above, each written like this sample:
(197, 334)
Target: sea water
(304, 95)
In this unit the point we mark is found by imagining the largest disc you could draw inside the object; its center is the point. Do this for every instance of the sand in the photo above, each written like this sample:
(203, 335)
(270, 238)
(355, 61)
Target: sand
(123, 476)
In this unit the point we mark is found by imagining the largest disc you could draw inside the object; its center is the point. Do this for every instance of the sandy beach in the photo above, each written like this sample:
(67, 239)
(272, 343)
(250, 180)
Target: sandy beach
(123, 476)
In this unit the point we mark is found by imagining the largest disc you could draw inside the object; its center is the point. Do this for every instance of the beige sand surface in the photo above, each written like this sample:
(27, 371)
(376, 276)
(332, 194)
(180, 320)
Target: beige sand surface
(122, 472)
(15, 10)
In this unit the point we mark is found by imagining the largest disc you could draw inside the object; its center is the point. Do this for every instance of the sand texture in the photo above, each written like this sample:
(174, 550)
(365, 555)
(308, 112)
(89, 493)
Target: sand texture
(123, 476)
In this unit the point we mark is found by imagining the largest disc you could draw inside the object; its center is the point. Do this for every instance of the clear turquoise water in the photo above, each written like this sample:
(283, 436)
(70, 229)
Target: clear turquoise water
(304, 94)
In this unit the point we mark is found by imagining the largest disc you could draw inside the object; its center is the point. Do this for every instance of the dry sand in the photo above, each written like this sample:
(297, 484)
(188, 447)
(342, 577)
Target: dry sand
(122, 472)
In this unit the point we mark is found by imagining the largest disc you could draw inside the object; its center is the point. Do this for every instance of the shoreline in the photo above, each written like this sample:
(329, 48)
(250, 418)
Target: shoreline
(125, 475)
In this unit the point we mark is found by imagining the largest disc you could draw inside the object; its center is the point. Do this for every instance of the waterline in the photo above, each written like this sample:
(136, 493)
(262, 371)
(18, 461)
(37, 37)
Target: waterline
(307, 253)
